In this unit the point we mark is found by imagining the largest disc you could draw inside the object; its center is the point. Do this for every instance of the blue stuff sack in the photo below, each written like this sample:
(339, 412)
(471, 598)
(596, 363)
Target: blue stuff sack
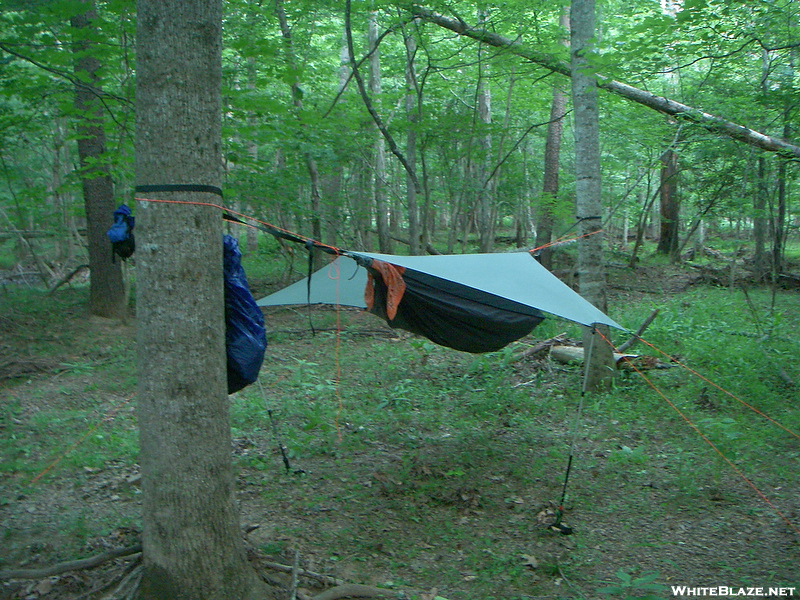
(120, 234)
(245, 336)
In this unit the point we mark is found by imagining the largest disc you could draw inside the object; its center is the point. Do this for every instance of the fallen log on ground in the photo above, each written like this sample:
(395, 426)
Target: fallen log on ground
(574, 355)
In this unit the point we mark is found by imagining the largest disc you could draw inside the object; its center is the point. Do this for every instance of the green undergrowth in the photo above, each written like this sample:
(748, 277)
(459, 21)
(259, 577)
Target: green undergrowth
(428, 467)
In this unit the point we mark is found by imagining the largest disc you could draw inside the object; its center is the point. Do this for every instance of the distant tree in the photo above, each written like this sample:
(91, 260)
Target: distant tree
(552, 154)
(107, 293)
(669, 205)
(192, 540)
(380, 181)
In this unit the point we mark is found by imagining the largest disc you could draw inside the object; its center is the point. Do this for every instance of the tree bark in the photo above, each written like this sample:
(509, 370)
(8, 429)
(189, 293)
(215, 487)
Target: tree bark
(670, 205)
(379, 179)
(591, 269)
(368, 103)
(107, 294)
(779, 229)
(311, 164)
(485, 204)
(191, 535)
(669, 107)
(412, 89)
(552, 154)
(760, 219)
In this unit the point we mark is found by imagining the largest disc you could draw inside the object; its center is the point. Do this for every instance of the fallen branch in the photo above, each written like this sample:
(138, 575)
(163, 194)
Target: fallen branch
(324, 579)
(536, 348)
(428, 248)
(66, 278)
(72, 565)
(295, 567)
(574, 354)
(636, 336)
(663, 105)
(355, 590)
(341, 589)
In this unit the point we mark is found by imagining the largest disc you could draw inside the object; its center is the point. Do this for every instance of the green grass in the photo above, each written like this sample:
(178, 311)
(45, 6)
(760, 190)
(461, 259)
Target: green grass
(420, 460)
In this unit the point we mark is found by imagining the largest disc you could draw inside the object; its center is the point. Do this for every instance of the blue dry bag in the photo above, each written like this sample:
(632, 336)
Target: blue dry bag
(121, 233)
(245, 336)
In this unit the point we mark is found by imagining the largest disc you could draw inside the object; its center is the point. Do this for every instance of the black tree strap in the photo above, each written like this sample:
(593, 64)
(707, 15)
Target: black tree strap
(180, 187)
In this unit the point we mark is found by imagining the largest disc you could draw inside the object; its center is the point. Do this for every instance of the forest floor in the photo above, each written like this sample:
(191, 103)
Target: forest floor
(429, 472)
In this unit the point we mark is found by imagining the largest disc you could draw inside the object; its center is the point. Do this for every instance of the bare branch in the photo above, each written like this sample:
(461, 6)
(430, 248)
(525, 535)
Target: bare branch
(370, 108)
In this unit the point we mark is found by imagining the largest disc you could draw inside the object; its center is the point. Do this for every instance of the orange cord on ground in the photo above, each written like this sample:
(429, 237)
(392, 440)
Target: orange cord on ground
(704, 438)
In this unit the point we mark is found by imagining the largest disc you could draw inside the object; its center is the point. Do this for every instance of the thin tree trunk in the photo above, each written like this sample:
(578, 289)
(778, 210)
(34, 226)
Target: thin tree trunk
(484, 204)
(107, 293)
(412, 89)
(779, 235)
(191, 534)
(670, 205)
(368, 103)
(379, 179)
(760, 219)
(311, 164)
(552, 154)
(762, 191)
(591, 268)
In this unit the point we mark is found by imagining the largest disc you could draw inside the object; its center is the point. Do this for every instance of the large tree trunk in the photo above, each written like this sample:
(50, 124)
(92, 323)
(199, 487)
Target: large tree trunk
(107, 293)
(591, 268)
(192, 541)
(552, 155)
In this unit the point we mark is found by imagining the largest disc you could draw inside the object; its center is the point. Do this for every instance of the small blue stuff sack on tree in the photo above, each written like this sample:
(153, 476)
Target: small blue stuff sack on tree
(120, 234)
(245, 336)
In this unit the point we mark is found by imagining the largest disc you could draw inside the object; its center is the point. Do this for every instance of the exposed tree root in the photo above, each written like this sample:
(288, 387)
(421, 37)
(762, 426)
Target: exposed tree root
(340, 588)
(72, 565)
(126, 584)
(354, 590)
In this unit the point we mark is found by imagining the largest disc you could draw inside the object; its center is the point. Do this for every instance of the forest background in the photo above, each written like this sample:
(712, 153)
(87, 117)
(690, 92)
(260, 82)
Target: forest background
(470, 120)
(414, 155)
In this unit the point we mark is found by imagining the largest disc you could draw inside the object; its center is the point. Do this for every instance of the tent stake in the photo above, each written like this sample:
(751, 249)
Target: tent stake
(284, 455)
(557, 524)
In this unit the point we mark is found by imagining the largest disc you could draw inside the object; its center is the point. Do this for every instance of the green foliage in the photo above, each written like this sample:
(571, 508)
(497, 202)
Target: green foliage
(706, 55)
(638, 588)
(447, 447)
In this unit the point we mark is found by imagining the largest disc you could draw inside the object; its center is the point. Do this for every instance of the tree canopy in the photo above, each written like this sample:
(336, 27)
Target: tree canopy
(714, 81)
